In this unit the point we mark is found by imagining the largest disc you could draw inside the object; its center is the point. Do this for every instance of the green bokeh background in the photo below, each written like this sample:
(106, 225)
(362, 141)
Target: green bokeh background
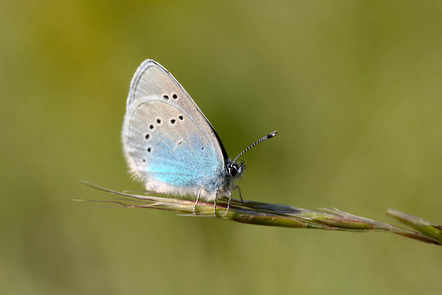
(353, 87)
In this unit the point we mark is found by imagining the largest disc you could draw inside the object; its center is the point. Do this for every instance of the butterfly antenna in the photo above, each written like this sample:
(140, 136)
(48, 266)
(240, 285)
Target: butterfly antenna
(268, 136)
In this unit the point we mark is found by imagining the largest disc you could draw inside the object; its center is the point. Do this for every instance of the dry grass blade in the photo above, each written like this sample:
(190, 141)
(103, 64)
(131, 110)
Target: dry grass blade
(279, 215)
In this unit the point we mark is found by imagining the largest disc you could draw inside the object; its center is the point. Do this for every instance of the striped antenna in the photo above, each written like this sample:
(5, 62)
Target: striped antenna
(268, 136)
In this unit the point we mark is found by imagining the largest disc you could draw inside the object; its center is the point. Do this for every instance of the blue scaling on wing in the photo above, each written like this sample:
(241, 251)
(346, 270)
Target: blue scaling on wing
(168, 142)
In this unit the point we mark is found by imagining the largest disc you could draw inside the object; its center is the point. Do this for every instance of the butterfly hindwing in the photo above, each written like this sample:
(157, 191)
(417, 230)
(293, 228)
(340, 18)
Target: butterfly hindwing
(168, 142)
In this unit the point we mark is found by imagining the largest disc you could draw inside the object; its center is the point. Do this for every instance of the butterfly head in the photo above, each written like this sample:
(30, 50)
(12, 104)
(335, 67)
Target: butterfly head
(235, 169)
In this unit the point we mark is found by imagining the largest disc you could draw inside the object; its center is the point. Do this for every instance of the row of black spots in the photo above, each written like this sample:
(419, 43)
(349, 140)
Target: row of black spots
(174, 96)
(158, 121)
(149, 150)
(152, 126)
(147, 135)
(173, 121)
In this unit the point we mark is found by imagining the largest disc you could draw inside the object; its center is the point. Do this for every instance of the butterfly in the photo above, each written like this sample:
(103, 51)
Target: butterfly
(170, 145)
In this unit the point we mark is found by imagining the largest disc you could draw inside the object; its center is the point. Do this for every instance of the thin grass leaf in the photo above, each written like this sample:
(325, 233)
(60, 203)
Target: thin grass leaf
(268, 214)
(431, 229)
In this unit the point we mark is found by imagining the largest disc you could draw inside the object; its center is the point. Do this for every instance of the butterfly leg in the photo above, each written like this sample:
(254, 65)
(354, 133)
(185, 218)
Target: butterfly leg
(214, 204)
(197, 199)
(228, 202)
(239, 191)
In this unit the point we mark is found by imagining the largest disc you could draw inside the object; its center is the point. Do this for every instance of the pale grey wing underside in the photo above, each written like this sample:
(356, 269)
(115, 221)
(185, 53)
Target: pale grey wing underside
(168, 143)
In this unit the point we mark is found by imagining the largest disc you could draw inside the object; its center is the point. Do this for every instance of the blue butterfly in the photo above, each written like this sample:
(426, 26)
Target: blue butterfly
(170, 145)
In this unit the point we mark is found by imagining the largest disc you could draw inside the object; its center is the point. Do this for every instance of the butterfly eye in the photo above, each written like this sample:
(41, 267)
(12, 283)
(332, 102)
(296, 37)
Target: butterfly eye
(233, 170)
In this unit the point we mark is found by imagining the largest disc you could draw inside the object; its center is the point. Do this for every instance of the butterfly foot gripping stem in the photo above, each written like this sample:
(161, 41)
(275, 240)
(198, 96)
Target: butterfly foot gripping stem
(214, 207)
(196, 202)
(194, 207)
(228, 203)
(240, 196)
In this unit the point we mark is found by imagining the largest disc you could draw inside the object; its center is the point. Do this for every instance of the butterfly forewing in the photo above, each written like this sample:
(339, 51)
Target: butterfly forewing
(168, 142)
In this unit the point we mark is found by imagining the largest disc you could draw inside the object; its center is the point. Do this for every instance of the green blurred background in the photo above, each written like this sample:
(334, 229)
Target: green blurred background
(353, 87)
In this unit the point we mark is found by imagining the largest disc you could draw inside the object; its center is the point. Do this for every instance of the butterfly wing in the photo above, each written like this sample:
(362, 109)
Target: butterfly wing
(168, 142)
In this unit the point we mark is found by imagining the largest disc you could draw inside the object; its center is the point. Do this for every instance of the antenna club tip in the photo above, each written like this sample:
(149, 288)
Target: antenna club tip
(272, 134)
